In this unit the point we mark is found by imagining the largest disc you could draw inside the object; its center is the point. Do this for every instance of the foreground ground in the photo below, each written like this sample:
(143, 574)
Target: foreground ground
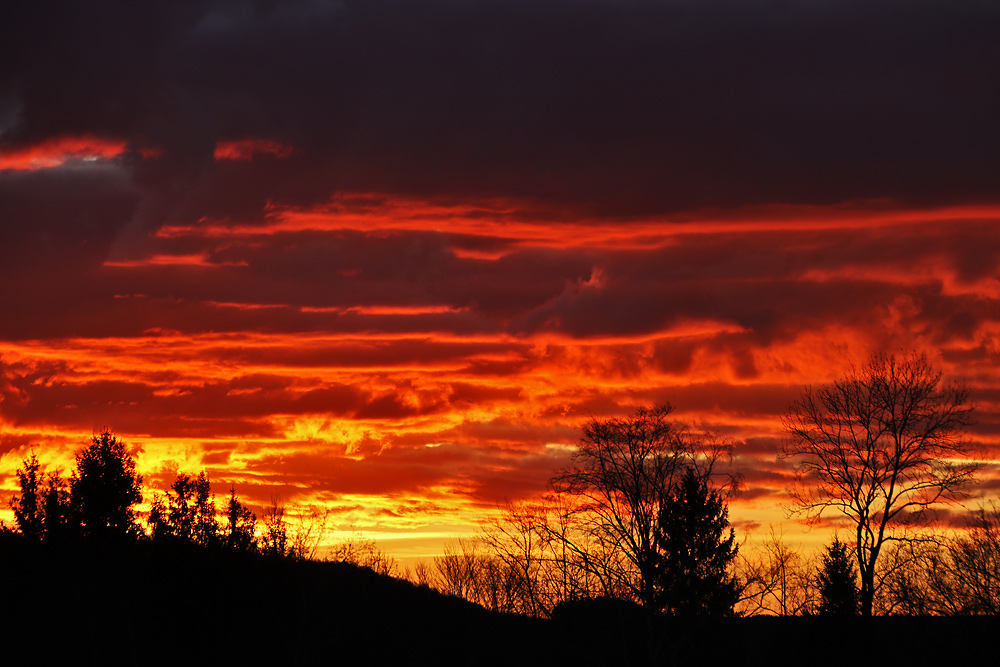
(158, 606)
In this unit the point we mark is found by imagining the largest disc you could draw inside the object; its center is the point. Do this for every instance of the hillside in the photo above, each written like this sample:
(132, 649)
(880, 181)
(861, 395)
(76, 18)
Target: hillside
(138, 604)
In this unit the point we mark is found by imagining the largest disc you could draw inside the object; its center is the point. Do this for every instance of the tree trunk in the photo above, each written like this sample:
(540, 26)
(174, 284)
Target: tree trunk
(867, 596)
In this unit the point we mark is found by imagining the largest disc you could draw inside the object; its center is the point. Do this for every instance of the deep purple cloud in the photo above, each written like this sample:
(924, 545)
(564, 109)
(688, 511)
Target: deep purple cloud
(618, 107)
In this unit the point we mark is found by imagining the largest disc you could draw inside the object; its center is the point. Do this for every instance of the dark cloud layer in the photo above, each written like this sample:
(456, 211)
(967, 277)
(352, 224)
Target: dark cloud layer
(617, 107)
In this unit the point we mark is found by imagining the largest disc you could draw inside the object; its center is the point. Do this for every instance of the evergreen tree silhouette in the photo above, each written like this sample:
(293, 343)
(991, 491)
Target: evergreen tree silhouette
(29, 509)
(190, 516)
(103, 489)
(695, 552)
(838, 582)
(241, 525)
(58, 512)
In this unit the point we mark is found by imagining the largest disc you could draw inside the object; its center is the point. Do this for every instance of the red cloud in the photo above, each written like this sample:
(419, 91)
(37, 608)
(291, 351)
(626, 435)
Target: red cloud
(59, 150)
(250, 148)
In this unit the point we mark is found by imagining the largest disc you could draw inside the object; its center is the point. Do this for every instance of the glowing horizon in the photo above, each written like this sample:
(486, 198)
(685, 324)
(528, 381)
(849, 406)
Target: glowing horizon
(407, 418)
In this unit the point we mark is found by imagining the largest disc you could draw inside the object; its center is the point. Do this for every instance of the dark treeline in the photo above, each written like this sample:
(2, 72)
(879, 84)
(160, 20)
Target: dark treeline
(629, 560)
(84, 578)
(640, 515)
(98, 505)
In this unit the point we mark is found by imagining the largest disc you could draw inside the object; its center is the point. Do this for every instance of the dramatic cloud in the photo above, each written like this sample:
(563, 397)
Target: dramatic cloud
(386, 257)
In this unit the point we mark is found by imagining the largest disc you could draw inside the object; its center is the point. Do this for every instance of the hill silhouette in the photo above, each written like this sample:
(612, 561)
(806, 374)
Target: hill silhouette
(145, 603)
(84, 582)
(142, 602)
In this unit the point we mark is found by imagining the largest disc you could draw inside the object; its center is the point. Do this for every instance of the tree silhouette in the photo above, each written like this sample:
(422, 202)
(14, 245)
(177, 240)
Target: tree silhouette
(975, 564)
(103, 489)
(621, 473)
(58, 510)
(241, 525)
(882, 447)
(837, 579)
(29, 507)
(778, 582)
(364, 552)
(189, 515)
(695, 553)
(615, 485)
(274, 539)
(42, 511)
(963, 576)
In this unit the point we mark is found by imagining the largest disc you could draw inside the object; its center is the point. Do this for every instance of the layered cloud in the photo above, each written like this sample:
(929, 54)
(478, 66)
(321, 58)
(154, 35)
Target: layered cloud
(387, 257)
(368, 369)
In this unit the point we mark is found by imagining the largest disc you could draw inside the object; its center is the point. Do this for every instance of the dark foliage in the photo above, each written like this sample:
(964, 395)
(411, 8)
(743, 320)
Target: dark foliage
(58, 510)
(241, 525)
(694, 551)
(189, 515)
(29, 507)
(838, 584)
(104, 488)
(42, 511)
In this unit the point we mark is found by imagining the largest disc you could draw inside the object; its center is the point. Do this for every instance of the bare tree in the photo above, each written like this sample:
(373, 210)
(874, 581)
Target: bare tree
(294, 533)
(422, 573)
(908, 572)
(882, 446)
(618, 479)
(961, 576)
(306, 531)
(519, 540)
(974, 563)
(363, 551)
(776, 580)
(467, 571)
(274, 537)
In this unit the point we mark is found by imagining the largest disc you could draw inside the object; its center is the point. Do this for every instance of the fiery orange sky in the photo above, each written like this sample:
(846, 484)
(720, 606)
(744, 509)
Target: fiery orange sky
(374, 260)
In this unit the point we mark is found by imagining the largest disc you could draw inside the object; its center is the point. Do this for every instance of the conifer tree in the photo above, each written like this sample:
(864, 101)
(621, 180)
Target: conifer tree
(241, 525)
(695, 552)
(29, 507)
(838, 586)
(190, 515)
(57, 510)
(103, 489)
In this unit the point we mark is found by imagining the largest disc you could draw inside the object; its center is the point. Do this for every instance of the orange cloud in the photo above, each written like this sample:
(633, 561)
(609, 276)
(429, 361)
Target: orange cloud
(375, 371)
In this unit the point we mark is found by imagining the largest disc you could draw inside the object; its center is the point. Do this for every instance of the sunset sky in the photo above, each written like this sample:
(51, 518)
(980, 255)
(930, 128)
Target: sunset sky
(385, 257)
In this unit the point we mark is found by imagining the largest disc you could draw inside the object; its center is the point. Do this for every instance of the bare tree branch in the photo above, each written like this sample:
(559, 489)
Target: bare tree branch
(882, 446)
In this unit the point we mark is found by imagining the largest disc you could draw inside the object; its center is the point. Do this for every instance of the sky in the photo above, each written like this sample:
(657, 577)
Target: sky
(385, 258)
